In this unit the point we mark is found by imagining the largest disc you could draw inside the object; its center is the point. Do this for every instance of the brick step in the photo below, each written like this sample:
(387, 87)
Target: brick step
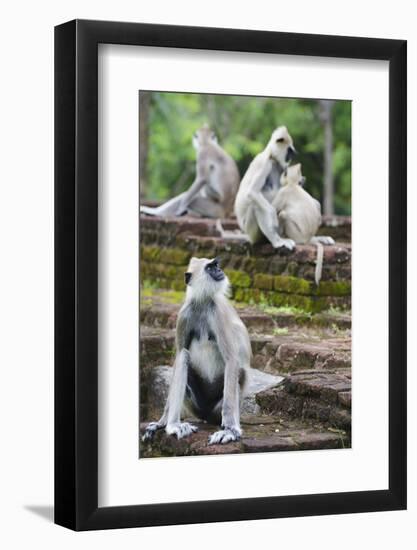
(316, 395)
(260, 434)
(276, 354)
(338, 227)
(258, 273)
(154, 312)
(157, 346)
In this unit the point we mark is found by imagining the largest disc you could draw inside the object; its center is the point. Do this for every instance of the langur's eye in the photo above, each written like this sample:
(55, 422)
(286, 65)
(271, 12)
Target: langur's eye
(280, 140)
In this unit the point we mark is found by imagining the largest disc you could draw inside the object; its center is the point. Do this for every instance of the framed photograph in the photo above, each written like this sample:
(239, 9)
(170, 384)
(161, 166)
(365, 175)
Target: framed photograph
(230, 254)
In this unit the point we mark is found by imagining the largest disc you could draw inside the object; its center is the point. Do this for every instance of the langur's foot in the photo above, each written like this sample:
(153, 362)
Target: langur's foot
(181, 429)
(225, 436)
(151, 430)
(289, 244)
(325, 240)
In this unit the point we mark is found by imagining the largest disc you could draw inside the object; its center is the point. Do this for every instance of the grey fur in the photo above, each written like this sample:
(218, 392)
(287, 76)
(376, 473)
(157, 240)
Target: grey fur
(214, 189)
(213, 355)
(255, 213)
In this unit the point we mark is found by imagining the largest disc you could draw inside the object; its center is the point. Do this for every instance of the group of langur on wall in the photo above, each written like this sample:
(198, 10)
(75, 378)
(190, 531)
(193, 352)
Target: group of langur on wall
(213, 350)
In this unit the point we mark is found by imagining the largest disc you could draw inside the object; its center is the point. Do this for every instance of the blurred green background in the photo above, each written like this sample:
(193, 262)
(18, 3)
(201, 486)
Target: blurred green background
(321, 131)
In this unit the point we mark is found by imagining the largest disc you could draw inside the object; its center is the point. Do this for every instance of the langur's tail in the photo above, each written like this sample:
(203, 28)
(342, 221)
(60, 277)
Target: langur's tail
(319, 263)
(149, 210)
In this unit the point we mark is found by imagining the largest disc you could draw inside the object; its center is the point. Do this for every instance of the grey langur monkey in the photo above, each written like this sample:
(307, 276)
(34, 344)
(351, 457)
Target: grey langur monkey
(255, 213)
(214, 189)
(299, 214)
(212, 361)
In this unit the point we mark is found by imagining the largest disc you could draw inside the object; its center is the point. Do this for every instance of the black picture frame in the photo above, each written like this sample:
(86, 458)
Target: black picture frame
(76, 272)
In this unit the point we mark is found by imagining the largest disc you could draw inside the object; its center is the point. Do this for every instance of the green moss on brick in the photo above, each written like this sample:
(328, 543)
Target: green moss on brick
(292, 268)
(151, 271)
(149, 253)
(308, 304)
(292, 285)
(174, 256)
(249, 263)
(263, 281)
(177, 285)
(302, 304)
(238, 278)
(334, 288)
(167, 271)
(249, 295)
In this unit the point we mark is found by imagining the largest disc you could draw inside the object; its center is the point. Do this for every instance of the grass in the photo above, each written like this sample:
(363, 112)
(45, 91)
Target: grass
(272, 310)
(333, 310)
(149, 291)
(279, 331)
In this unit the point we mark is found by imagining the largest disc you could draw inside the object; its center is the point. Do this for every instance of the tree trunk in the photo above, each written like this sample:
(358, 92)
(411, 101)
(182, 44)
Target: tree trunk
(326, 107)
(144, 103)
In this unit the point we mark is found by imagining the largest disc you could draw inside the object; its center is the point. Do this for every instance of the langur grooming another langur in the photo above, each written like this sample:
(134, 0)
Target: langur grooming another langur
(212, 195)
(299, 214)
(212, 361)
(255, 213)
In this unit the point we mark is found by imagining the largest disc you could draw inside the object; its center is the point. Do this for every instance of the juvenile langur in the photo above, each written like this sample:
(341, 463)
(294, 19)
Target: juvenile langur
(214, 189)
(213, 355)
(254, 210)
(299, 214)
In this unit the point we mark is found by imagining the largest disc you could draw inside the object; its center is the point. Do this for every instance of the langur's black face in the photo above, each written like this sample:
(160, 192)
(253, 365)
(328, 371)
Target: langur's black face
(291, 152)
(281, 146)
(214, 271)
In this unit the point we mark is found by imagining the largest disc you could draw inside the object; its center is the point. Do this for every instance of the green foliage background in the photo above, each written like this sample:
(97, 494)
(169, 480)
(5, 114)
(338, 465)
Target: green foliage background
(243, 125)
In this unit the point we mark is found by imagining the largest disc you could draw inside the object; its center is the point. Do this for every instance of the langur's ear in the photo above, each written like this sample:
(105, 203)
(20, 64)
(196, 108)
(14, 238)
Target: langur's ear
(187, 277)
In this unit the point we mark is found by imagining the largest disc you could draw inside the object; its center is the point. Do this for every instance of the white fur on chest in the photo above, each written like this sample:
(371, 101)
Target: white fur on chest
(206, 360)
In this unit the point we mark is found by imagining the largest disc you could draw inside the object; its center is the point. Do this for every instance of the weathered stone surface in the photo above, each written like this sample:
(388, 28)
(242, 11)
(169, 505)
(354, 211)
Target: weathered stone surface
(294, 350)
(156, 346)
(269, 444)
(341, 418)
(161, 308)
(314, 395)
(338, 227)
(258, 438)
(326, 385)
(325, 440)
(345, 398)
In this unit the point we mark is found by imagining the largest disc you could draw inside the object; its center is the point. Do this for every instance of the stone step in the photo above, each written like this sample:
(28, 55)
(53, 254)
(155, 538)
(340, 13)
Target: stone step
(294, 351)
(156, 346)
(261, 435)
(275, 354)
(258, 273)
(154, 311)
(317, 395)
(338, 227)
